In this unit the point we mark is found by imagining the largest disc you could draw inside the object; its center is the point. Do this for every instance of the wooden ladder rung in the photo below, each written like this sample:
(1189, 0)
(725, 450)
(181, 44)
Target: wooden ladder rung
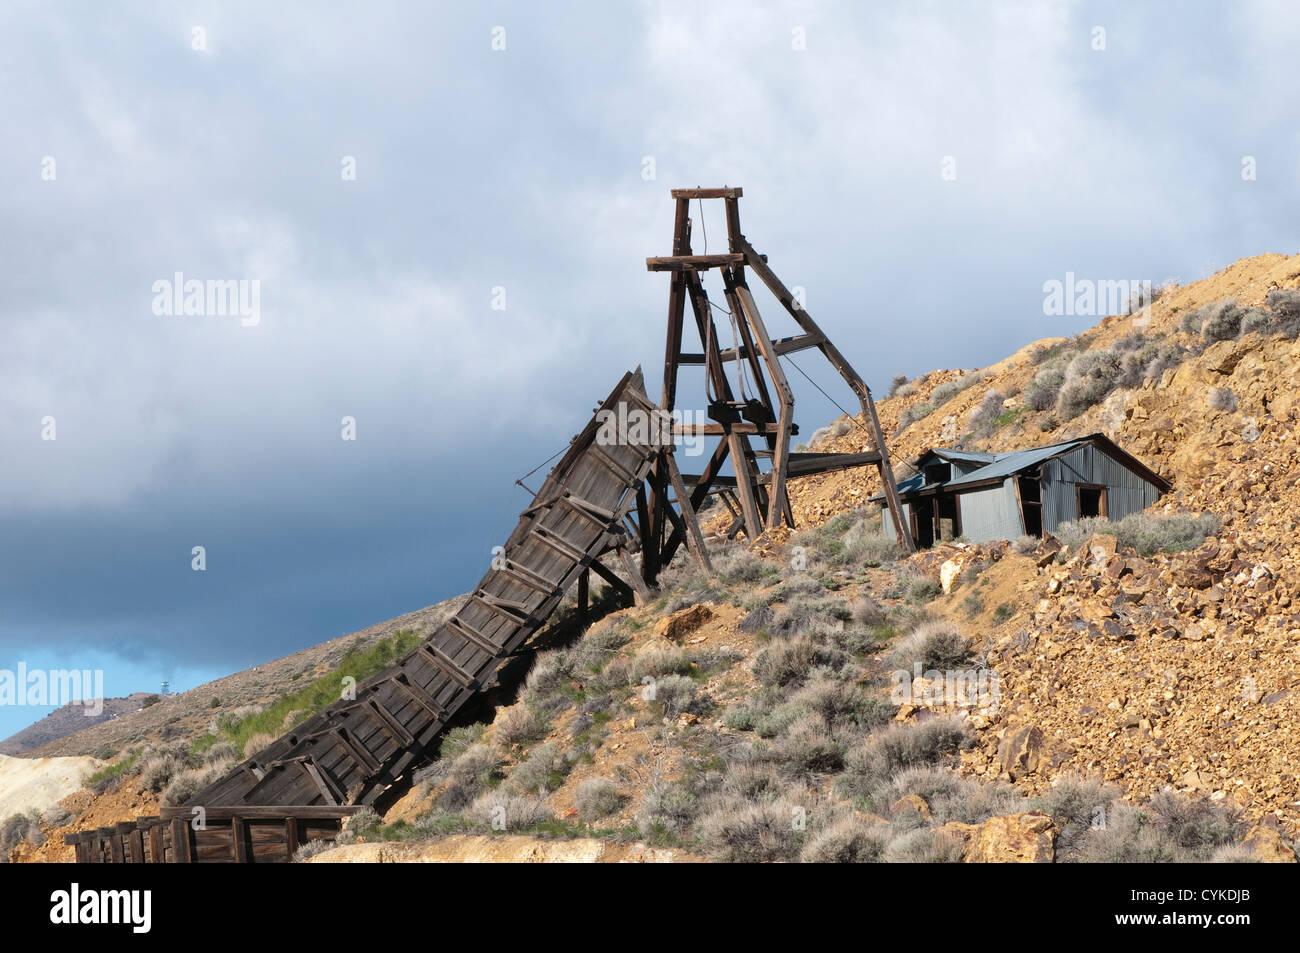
(511, 611)
(355, 750)
(558, 543)
(597, 514)
(444, 661)
(461, 627)
(528, 578)
(612, 465)
(418, 695)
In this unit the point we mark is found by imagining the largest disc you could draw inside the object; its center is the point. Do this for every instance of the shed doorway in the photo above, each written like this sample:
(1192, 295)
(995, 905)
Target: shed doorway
(923, 523)
(1031, 505)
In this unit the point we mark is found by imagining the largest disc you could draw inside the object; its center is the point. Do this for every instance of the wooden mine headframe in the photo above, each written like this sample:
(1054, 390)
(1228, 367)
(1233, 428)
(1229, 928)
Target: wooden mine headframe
(751, 427)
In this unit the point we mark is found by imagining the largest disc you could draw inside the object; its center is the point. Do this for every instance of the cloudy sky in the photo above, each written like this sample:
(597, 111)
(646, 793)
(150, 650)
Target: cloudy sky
(920, 169)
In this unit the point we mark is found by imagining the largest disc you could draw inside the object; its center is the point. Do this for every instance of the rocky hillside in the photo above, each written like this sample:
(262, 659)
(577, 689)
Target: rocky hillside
(1125, 692)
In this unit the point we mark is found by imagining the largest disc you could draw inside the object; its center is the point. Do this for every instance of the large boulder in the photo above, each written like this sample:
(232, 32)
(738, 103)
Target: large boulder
(1022, 751)
(1269, 846)
(677, 626)
(1025, 838)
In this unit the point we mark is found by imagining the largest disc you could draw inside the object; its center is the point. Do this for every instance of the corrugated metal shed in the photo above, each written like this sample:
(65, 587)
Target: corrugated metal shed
(996, 494)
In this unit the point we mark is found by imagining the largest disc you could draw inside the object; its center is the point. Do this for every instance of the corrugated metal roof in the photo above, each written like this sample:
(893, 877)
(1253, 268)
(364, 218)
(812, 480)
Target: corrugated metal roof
(974, 456)
(914, 482)
(1008, 463)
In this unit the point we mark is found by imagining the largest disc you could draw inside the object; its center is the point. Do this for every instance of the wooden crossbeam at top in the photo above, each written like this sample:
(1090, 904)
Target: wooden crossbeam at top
(693, 262)
(723, 193)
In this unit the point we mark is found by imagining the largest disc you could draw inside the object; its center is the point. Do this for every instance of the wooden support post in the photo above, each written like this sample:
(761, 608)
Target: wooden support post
(745, 487)
(239, 831)
(781, 448)
(584, 583)
(645, 524)
(180, 841)
(695, 539)
(676, 304)
(618, 584)
(157, 852)
(642, 590)
(135, 844)
(116, 848)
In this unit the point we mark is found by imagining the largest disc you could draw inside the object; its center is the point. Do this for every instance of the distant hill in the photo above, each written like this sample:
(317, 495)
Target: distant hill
(69, 719)
(187, 715)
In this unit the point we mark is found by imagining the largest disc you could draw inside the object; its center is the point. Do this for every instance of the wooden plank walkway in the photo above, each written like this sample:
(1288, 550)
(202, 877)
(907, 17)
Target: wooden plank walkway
(346, 756)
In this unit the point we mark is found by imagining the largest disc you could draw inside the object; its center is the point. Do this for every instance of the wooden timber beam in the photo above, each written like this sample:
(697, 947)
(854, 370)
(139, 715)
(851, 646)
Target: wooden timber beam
(809, 464)
(758, 264)
(777, 495)
(786, 345)
(721, 430)
(694, 538)
(723, 193)
(693, 262)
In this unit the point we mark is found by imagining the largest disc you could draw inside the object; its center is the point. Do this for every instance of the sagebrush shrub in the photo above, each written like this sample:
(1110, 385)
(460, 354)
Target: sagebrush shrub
(871, 764)
(676, 693)
(807, 747)
(922, 847)
(986, 412)
(1285, 305)
(737, 831)
(597, 798)
(912, 414)
(946, 392)
(1147, 533)
(1088, 379)
(467, 776)
(541, 772)
(157, 773)
(657, 661)
(520, 726)
(309, 850)
(509, 812)
(1076, 805)
(1041, 392)
(934, 643)
(789, 661)
(848, 840)
(1221, 321)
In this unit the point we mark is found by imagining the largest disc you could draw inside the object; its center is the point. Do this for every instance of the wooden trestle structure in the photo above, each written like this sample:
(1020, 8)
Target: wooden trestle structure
(751, 427)
(607, 496)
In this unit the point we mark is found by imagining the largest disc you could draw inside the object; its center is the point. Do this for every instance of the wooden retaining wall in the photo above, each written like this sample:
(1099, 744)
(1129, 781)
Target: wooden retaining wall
(229, 835)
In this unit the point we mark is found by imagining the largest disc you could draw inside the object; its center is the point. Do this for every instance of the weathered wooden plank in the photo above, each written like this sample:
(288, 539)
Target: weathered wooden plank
(711, 193)
(693, 262)
(239, 835)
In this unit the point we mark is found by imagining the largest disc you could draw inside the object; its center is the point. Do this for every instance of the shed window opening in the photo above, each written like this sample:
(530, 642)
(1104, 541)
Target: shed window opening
(1092, 501)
